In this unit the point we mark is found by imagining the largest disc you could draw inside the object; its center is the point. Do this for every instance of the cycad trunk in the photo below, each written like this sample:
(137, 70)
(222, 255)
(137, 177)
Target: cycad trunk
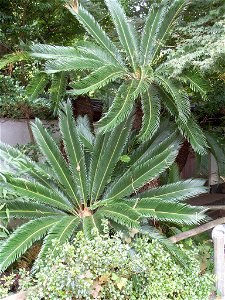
(83, 106)
(183, 155)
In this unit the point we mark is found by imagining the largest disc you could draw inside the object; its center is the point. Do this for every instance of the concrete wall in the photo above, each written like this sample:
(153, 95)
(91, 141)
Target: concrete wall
(15, 132)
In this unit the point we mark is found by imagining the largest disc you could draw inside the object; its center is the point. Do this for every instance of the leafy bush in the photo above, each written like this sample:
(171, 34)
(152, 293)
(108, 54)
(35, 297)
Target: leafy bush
(109, 268)
(15, 104)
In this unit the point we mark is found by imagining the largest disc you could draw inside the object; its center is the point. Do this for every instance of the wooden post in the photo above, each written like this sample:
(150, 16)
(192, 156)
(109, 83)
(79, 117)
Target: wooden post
(218, 236)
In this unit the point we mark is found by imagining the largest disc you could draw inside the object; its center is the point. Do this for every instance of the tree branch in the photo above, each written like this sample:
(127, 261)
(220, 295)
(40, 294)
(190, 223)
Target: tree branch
(187, 234)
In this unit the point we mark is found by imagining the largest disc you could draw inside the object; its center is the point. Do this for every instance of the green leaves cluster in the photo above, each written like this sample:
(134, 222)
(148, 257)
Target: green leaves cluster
(80, 188)
(109, 268)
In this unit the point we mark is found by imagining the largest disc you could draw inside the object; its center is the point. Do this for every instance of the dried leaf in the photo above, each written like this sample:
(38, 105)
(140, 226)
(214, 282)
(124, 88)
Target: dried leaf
(104, 278)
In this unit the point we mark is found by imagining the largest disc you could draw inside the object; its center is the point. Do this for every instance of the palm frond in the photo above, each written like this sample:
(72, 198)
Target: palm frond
(173, 174)
(174, 212)
(95, 50)
(96, 159)
(178, 96)
(192, 131)
(83, 62)
(84, 132)
(37, 192)
(121, 213)
(22, 239)
(96, 80)
(149, 33)
(151, 117)
(74, 150)
(168, 102)
(95, 30)
(171, 11)
(13, 58)
(121, 106)
(137, 176)
(196, 83)
(166, 135)
(177, 191)
(27, 210)
(53, 155)
(143, 154)
(21, 164)
(114, 147)
(62, 232)
(37, 85)
(92, 225)
(188, 128)
(58, 89)
(45, 51)
(217, 151)
(125, 31)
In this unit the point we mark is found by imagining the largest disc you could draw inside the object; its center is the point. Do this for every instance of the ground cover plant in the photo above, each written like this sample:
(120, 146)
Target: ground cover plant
(88, 182)
(110, 268)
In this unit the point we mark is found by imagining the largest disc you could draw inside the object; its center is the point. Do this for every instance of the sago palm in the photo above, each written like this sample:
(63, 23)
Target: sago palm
(89, 183)
(134, 63)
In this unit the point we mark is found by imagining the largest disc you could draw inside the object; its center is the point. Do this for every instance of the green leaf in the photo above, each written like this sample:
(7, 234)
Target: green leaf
(169, 14)
(22, 239)
(177, 191)
(193, 132)
(22, 164)
(28, 210)
(217, 150)
(178, 213)
(58, 89)
(13, 58)
(38, 193)
(151, 117)
(36, 86)
(84, 132)
(161, 140)
(92, 225)
(95, 30)
(97, 51)
(121, 213)
(174, 174)
(96, 160)
(77, 63)
(74, 150)
(56, 160)
(96, 80)
(125, 31)
(196, 83)
(149, 33)
(113, 150)
(136, 176)
(177, 94)
(62, 232)
(125, 158)
(121, 106)
(45, 51)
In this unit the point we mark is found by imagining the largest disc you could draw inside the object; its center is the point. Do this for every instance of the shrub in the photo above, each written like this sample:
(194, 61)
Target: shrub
(110, 268)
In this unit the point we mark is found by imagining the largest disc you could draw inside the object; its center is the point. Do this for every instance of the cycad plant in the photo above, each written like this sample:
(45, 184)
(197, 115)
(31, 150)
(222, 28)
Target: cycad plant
(136, 64)
(88, 183)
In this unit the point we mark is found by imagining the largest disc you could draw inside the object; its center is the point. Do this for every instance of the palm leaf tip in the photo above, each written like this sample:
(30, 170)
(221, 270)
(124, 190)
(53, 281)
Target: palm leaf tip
(22, 239)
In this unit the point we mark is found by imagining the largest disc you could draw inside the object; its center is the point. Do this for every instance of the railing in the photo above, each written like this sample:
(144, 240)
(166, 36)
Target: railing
(218, 236)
